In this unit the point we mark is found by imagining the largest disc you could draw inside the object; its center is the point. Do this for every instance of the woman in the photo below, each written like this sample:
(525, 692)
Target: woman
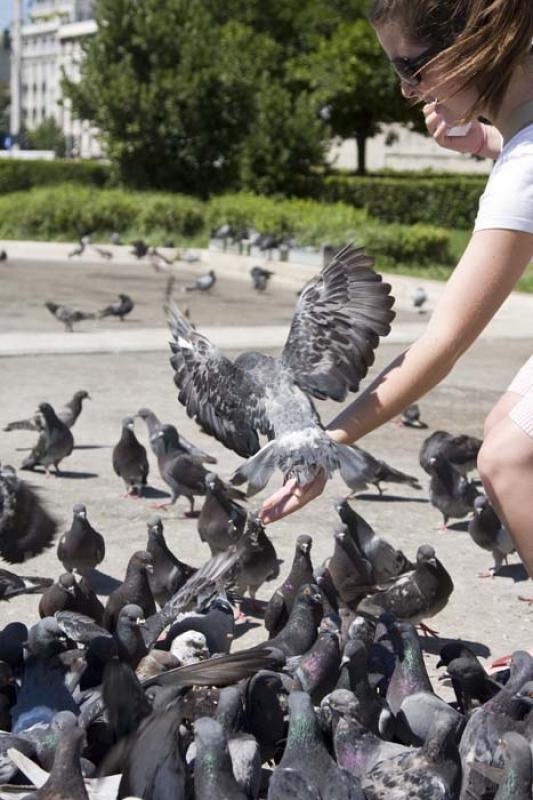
(465, 59)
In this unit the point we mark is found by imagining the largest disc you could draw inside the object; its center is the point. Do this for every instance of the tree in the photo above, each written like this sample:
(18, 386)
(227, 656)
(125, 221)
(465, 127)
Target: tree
(354, 84)
(47, 136)
(171, 91)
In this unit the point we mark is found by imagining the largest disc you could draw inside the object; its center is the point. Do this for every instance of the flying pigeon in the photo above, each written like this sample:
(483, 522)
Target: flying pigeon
(336, 328)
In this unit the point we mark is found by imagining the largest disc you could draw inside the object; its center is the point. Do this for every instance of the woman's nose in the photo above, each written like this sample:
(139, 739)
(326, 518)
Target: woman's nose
(408, 90)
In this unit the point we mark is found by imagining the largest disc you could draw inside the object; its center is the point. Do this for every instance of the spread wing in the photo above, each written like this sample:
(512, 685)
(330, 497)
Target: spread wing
(337, 324)
(220, 395)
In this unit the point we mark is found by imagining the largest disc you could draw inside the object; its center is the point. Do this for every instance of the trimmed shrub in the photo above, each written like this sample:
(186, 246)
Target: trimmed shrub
(450, 201)
(16, 175)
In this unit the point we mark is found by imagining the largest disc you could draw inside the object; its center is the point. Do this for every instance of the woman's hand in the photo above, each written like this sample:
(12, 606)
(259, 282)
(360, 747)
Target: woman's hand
(473, 142)
(290, 498)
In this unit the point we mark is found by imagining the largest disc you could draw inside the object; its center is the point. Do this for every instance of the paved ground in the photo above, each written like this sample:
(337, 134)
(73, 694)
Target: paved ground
(486, 613)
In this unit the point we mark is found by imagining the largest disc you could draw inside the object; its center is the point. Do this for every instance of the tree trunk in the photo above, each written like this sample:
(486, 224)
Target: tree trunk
(360, 139)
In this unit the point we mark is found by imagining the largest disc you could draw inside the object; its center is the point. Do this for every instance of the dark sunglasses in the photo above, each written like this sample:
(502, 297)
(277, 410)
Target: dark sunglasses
(408, 69)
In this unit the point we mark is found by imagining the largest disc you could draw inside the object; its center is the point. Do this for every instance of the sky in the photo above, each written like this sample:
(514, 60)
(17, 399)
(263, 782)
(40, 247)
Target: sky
(6, 10)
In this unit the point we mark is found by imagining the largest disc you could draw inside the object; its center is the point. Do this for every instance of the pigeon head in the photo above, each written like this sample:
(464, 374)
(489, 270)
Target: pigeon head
(208, 734)
(82, 395)
(525, 694)
(67, 582)
(124, 297)
(311, 594)
(211, 481)
(451, 651)
(64, 721)
(141, 561)
(52, 306)
(155, 527)
(304, 543)
(222, 605)
(143, 413)
(128, 422)
(79, 511)
(425, 554)
(342, 702)
(131, 615)
(480, 502)
(46, 410)
(46, 638)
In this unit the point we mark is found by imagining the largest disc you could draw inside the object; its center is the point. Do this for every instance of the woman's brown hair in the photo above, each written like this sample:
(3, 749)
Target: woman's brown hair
(483, 41)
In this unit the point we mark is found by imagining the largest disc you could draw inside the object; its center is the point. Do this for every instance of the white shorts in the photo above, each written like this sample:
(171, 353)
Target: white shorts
(522, 384)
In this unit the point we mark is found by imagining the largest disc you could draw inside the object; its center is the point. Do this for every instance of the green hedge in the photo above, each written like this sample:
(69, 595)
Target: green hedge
(65, 212)
(449, 201)
(16, 175)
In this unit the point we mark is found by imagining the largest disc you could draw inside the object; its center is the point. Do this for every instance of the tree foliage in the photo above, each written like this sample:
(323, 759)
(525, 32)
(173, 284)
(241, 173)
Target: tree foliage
(200, 96)
(46, 136)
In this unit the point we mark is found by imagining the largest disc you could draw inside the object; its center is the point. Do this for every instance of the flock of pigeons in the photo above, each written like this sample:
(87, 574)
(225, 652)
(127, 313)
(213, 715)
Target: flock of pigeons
(145, 697)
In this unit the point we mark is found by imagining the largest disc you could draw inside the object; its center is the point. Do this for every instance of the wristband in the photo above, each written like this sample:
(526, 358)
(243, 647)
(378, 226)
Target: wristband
(484, 138)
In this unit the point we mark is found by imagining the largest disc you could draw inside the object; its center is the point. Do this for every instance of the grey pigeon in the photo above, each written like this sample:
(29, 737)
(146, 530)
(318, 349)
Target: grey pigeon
(55, 442)
(155, 765)
(222, 519)
(169, 573)
(289, 784)
(12, 585)
(517, 772)
(177, 441)
(258, 561)
(216, 623)
(243, 747)
(317, 670)
(260, 278)
(68, 315)
(26, 528)
(301, 629)
(43, 691)
(461, 450)
(417, 595)
(410, 417)
(488, 533)
(204, 283)
(433, 771)
(134, 590)
(60, 596)
(335, 330)
(356, 748)
(140, 248)
(120, 308)
(3, 255)
(130, 461)
(265, 703)
(387, 562)
(376, 472)
(420, 298)
(373, 711)
(81, 548)
(213, 773)
(68, 414)
(66, 780)
(128, 634)
(306, 753)
(450, 491)
(469, 680)
(183, 473)
(350, 570)
(280, 604)
(486, 725)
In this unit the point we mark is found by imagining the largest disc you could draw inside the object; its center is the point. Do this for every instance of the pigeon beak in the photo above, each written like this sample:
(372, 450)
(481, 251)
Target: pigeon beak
(150, 569)
(140, 621)
(444, 677)
(70, 590)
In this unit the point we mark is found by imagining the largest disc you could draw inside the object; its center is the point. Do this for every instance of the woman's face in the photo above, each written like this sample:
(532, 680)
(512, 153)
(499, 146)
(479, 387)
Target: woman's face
(453, 105)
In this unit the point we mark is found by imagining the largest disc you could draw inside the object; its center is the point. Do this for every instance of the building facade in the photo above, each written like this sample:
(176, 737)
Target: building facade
(51, 46)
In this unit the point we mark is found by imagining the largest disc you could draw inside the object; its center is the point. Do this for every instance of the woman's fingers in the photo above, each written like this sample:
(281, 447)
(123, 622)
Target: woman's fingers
(290, 498)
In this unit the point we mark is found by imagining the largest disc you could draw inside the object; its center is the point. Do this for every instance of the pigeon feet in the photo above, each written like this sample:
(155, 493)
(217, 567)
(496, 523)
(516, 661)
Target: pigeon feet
(525, 599)
(426, 630)
(190, 515)
(487, 573)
